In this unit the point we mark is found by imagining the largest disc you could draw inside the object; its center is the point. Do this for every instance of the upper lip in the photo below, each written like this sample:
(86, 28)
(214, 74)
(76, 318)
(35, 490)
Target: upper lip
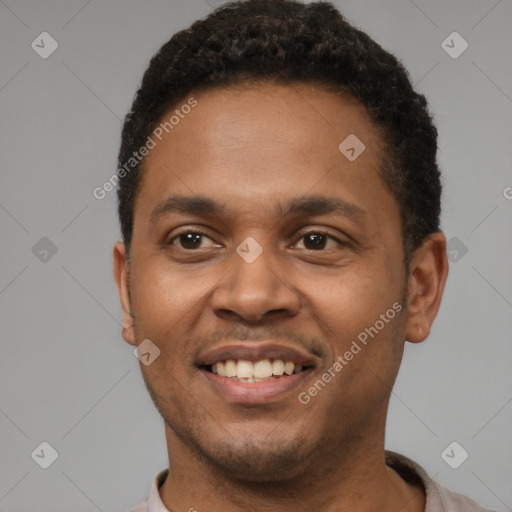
(255, 351)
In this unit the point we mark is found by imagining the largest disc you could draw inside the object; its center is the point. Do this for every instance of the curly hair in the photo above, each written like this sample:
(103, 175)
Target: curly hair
(285, 41)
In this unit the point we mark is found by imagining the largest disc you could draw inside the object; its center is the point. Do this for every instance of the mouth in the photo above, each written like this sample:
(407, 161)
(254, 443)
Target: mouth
(263, 370)
(255, 373)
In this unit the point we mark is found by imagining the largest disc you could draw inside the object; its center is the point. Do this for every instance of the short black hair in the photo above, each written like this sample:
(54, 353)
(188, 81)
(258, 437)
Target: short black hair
(285, 42)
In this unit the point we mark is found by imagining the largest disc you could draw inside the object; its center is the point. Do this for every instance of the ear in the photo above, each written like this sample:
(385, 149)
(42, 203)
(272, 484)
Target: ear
(122, 279)
(428, 271)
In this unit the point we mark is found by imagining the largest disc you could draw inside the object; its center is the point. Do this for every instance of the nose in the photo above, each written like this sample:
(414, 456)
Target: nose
(255, 290)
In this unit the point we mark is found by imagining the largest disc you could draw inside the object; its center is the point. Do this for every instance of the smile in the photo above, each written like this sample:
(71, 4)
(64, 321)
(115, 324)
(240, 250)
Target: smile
(263, 370)
(256, 373)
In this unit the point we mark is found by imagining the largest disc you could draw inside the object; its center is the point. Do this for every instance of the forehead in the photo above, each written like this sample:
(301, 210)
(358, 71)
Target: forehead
(252, 145)
(303, 118)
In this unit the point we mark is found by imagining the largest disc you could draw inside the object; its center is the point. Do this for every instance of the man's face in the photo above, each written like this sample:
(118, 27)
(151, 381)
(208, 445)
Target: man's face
(261, 283)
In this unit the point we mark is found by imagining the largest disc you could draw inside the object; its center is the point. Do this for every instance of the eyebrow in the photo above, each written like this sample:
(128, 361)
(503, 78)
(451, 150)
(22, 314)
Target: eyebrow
(202, 206)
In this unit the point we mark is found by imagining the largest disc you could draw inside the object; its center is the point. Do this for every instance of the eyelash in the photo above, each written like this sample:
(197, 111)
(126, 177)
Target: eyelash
(197, 232)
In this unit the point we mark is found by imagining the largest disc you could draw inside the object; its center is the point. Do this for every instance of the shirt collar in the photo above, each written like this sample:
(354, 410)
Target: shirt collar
(413, 473)
(155, 502)
(409, 470)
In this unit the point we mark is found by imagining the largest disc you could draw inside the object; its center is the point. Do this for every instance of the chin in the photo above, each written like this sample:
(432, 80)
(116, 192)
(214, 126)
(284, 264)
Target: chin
(259, 462)
(259, 459)
(251, 450)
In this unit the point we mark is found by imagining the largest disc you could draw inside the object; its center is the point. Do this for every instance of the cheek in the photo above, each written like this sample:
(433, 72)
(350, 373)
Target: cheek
(354, 298)
(359, 313)
(170, 306)
(167, 294)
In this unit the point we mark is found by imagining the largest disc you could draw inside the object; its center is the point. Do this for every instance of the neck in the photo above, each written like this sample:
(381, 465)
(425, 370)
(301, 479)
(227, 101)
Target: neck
(358, 479)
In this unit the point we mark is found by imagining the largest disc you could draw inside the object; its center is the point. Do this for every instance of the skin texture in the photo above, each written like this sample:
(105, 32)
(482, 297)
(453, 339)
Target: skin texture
(252, 148)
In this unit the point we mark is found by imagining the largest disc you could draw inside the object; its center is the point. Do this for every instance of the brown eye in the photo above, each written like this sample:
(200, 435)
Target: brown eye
(317, 240)
(189, 240)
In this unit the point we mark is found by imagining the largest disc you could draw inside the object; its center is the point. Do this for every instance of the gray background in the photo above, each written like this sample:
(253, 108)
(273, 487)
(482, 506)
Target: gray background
(66, 375)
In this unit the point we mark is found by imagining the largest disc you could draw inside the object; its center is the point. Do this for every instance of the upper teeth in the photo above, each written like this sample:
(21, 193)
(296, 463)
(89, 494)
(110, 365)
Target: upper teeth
(255, 370)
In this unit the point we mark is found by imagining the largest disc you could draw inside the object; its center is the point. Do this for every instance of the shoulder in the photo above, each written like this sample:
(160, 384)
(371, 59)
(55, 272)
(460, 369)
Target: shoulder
(143, 507)
(454, 501)
(154, 503)
(438, 497)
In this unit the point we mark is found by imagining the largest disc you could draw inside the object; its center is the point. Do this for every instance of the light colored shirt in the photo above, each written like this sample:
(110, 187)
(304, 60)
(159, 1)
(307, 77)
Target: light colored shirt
(438, 497)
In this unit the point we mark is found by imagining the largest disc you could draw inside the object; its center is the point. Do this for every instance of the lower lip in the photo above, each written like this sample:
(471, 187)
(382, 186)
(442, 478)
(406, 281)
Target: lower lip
(257, 392)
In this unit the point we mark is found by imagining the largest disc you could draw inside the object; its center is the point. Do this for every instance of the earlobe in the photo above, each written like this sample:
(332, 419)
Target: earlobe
(427, 278)
(122, 280)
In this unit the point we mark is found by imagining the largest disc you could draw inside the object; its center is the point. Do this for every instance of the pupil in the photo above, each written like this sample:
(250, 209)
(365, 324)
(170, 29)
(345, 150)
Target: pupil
(317, 240)
(188, 238)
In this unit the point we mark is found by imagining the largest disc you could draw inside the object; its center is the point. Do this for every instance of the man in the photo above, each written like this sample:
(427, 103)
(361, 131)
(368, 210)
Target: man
(279, 201)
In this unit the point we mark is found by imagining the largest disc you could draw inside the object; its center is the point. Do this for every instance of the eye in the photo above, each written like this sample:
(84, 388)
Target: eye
(313, 240)
(189, 240)
(317, 240)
